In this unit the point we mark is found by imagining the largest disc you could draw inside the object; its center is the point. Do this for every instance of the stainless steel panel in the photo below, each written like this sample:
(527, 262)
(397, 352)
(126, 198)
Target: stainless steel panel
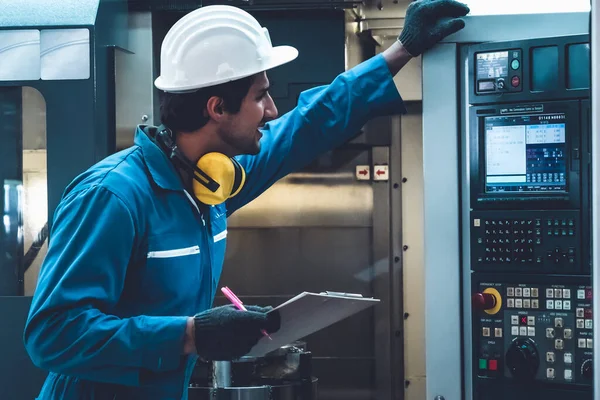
(413, 293)
(282, 261)
(441, 223)
(324, 194)
(485, 28)
(134, 81)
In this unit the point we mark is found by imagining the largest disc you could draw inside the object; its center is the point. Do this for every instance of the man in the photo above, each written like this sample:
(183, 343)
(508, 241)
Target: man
(123, 304)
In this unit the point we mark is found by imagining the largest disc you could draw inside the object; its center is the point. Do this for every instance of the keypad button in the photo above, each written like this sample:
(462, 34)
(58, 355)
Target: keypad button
(526, 303)
(514, 330)
(518, 303)
(514, 320)
(550, 304)
(523, 331)
(589, 324)
(534, 292)
(510, 291)
(531, 320)
(550, 293)
(581, 294)
(580, 324)
(526, 292)
(535, 304)
(530, 331)
(566, 293)
(559, 344)
(568, 358)
(550, 373)
(581, 343)
(558, 322)
(510, 303)
(550, 357)
(550, 333)
(589, 343)
(579, 312)
(566, 304)
(558, 304)
(568, 333)
(558, 293)
(568, 374)
(518, 292)
(485, 331)
(498, 332)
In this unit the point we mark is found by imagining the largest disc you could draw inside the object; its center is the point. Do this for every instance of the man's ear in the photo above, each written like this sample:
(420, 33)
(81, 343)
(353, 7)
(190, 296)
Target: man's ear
(215, 108)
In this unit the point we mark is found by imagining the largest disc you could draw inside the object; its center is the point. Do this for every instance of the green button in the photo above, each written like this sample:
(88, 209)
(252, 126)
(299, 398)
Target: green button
(482, 363)
(515, 64)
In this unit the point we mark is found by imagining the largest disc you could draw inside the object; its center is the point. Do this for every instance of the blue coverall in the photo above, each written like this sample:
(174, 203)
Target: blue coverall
(131, 257)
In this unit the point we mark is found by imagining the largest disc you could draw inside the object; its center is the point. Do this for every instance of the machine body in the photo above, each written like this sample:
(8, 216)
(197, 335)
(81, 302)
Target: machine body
(528, 134)
(508, 207)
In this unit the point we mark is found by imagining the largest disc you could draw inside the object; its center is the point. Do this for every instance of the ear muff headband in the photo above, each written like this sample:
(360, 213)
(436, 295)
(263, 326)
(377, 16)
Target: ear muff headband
(216, 176)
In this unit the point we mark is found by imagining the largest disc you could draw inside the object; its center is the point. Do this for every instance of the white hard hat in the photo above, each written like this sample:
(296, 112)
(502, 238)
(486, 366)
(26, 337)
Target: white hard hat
(214, 45)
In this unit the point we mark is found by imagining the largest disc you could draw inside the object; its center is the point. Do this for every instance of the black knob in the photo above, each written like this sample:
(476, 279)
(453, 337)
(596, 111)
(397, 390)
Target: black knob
(522, 359)
(587, 369)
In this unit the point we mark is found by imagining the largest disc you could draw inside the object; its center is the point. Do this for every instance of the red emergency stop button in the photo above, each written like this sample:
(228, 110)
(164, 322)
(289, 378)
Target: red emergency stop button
(493, 365)
(515, 81)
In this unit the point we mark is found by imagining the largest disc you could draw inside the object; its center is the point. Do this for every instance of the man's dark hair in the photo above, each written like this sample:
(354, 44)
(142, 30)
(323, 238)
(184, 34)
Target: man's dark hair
(184, 112)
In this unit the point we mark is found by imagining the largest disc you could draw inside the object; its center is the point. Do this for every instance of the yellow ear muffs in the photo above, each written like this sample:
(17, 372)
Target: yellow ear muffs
(227, 172)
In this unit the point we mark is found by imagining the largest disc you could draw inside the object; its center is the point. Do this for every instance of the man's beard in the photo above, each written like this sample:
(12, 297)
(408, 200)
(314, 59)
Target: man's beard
(247, 146)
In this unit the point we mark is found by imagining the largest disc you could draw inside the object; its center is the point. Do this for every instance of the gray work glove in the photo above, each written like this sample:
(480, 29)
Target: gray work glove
(226, 333)
(429, 21)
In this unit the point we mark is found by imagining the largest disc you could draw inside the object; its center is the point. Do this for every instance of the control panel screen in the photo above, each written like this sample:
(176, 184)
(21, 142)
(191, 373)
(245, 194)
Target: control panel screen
(525, 153)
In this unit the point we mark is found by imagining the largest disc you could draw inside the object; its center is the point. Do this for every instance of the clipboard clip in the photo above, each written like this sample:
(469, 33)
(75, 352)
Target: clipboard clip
(342, 294)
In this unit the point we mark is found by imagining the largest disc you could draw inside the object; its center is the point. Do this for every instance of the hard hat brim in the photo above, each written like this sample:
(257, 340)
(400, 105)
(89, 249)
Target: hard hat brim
(279, 55)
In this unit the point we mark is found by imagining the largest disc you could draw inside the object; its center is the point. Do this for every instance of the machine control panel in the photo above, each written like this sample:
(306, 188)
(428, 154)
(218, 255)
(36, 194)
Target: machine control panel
(534, 332)
(498, 71)
(526, 240)
(527, 186)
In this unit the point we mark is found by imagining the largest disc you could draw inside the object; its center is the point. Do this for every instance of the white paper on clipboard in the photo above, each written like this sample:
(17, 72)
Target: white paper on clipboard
(308, 313)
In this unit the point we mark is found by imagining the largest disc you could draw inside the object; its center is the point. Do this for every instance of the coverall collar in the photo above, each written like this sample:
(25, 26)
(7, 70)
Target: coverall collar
(161, 169)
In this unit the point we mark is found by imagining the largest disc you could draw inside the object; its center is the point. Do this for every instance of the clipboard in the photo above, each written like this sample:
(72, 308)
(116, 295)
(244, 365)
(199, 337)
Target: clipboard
(308, 313)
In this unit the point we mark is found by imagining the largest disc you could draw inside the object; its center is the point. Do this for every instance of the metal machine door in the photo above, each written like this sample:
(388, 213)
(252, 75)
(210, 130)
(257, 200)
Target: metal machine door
(329, 228)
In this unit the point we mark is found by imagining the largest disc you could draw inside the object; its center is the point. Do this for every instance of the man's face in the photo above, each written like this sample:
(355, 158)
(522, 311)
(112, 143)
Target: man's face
(240, 131)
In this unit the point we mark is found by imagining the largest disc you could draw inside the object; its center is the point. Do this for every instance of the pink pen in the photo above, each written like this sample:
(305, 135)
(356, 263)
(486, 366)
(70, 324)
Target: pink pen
(238, 303)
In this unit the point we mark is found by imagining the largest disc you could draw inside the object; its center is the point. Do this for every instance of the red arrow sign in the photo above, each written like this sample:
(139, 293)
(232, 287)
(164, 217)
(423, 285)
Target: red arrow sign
(380, 172)
(363, 172)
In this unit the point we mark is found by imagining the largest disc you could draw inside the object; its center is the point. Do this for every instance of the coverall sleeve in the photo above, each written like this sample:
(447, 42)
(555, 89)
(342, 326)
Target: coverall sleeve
(325, 118)
(70, 329)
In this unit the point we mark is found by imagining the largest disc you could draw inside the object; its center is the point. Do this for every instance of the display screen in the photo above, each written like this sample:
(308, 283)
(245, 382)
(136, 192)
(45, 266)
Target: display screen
(492, 65)
(525, 153)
